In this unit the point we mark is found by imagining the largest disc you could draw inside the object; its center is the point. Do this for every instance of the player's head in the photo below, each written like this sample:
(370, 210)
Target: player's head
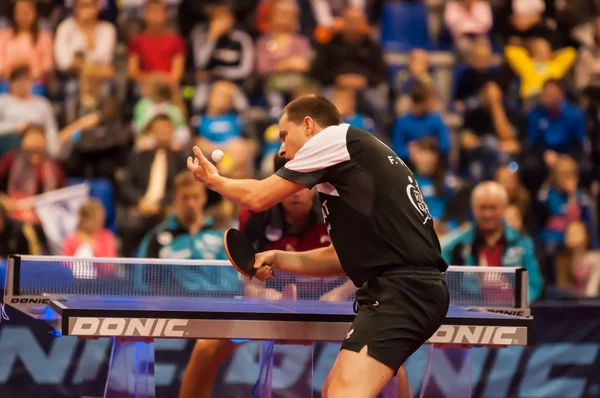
(298, 206)
(189, 198)
(91, 217)
(489, 201)
(303, 118)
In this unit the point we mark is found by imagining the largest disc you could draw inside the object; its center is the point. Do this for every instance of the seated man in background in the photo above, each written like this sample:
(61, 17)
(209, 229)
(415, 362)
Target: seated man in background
(147, 181)
(296, 224)
(490, 241)
(187, 234)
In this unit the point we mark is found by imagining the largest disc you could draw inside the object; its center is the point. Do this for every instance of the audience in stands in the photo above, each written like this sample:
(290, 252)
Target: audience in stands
(28, 172)
(555, 126)
(282, 55)
(220, 51)
(560, 203)
(84, 38)
(25, 42)
(519, 198)
(439, 185)
(146, 183)
(344, 100)
(490, 135)
(188, 234)
(417, 72)
(537, 63)
(490, 241)
(20, 107)
(587, 69)
(421, 121)
(578, 267)
(90, 238)
(352, 59)
(577, 20)
(156, 51)
(17, 236)
(468, 21)
(479, 71)
(221, 128)
(94, 142)
(526, 19)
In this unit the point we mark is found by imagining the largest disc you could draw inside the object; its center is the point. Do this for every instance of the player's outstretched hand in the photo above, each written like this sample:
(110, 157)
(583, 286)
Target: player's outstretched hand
(204, 171)
(264, 263)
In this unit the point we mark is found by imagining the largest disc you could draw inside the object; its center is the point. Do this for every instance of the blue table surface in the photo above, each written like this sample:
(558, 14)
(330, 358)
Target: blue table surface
(241, 305)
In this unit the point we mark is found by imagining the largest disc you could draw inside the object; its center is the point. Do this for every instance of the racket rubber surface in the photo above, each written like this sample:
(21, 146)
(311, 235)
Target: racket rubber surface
(240, 252)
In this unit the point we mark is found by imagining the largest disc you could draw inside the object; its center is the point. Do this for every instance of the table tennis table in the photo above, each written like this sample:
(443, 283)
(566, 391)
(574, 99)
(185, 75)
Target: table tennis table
(134, 318)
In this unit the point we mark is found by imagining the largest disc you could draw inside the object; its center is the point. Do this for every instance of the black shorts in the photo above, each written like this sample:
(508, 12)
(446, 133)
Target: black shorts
(397, 313)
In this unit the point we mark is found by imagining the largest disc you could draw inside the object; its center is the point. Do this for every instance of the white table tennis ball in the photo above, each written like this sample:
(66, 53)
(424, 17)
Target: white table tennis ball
(217, 155)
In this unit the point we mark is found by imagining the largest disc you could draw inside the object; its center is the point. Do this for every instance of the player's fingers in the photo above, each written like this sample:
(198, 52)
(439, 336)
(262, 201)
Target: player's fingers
(259, 260)
(202, 160)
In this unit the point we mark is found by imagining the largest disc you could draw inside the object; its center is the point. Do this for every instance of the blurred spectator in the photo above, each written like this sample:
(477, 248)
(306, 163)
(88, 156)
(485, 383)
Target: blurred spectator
(437, 183)
(514, 218)
(194, 12)
(160, 98)
(328, 16)
(20, 107)
(579, 267)
(537, 64)
(94, 141)
(468, 21)
(527, 19)
(16, 237)
(518, 196)
(147, 181)
(188, 234)
(480, 71)
(28, 172)
(554, 127)
(587, 69)
(490, 241)
(561, 203)
(577, 20)
(416, 73)
(221, 128)
(283, 55)
(354, 60)
(84, 38)
(91, 239)
(220, 52)
(26, 43)
(344, 100)
(422, 121)
(490, 135)
(156, 50)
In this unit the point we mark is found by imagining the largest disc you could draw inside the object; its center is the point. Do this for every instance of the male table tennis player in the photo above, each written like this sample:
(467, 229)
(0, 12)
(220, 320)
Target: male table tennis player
(381, 231)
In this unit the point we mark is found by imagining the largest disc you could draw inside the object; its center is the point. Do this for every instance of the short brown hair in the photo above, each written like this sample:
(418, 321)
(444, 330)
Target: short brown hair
(315, 106)
(19, 72)
(420, 93)
(184, 179)
(89, 209)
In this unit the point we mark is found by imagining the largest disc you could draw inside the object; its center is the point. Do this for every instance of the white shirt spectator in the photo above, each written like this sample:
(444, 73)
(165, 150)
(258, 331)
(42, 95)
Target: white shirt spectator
(70, 40)
(36, 109)
(461, 21)
(528, 7)
(325, 10)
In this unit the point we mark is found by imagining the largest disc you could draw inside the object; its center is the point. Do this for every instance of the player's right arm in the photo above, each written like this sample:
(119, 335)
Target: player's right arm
(323, 262)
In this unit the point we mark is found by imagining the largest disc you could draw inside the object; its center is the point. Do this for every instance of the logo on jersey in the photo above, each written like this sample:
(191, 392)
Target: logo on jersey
(416, 198)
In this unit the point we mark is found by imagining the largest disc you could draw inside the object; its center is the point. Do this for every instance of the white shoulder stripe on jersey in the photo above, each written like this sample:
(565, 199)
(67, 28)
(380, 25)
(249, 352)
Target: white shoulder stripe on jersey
(323, 150)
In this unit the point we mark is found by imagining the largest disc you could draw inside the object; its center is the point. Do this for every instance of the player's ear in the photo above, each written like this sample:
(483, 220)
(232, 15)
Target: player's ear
(308, 124)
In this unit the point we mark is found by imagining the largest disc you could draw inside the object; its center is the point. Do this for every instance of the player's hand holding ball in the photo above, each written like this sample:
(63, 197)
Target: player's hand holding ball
(204, 171)
(264, 263)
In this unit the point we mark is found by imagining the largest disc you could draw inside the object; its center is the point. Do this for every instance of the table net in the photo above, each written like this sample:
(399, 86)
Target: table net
(129, 277)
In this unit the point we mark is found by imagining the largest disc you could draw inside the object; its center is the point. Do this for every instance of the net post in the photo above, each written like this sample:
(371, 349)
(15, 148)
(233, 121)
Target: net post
(521, 288)
(13, 275)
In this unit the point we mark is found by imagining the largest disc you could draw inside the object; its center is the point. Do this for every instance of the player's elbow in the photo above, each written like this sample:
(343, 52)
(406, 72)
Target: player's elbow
(256, 202)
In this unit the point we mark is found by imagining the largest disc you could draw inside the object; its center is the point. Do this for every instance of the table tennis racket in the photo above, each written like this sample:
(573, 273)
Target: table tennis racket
(240, 251)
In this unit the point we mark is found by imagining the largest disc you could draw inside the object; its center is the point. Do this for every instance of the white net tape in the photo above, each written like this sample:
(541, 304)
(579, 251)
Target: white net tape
(126, 277)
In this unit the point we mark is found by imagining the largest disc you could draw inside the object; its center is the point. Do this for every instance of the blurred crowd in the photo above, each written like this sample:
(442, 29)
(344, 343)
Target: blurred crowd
(466, 91)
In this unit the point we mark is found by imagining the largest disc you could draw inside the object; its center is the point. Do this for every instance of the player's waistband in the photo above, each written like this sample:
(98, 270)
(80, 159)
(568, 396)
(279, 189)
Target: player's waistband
(414, 271)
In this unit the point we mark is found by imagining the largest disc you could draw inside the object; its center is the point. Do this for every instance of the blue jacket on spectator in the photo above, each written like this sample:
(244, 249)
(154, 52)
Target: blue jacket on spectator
(170, 240)
(360, 121)
(437, 202)
(564, 133)
(409, 128)
(457, 249)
